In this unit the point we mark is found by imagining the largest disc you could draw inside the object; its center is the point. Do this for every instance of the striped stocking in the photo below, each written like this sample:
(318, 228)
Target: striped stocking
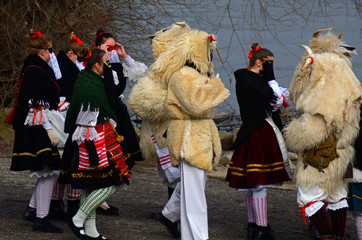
(42, 195)
(260, 207)
(249, 206)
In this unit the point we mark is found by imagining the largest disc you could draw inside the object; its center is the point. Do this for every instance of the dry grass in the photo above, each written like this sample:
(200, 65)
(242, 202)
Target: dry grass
(6, 136)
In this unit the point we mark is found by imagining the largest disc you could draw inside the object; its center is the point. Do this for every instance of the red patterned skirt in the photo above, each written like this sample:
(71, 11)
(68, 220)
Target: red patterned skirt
(258, 161)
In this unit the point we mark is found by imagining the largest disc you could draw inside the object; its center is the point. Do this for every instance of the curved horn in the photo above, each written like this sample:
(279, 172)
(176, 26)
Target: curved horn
(181, 24)
(308, 61)
(309, 51)
(340, 35)
(150, 36)
(316, 33)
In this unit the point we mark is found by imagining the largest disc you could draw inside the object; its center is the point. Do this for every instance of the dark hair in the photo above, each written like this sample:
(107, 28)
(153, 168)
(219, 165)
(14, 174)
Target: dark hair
(101, 37)
(259, 54)
(37, 42)
(96, 56)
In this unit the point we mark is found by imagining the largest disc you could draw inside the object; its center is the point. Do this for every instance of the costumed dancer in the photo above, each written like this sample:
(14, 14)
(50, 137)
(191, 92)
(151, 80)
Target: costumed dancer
(116, 75)
(147, 100)
(35, 140)
(95, 157)
(260, 159)
(193, 92)
(327, 93)
(355, 188)
(70, 63)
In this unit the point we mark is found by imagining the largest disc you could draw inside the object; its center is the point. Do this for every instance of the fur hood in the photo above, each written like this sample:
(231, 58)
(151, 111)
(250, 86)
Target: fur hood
(191, 48)
(164, 37)
(328, 42)
(148, 95)
(332, 89)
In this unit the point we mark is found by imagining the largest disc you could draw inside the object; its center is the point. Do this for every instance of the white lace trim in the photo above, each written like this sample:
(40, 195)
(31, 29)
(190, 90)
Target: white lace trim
(338, 205)
(87, 118)
(63, 106)
(312, 209)
(36, 116)
(133, 71)
(80, 134)
(43, 173)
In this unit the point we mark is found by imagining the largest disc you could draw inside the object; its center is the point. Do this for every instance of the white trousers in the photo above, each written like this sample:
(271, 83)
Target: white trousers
(193, 205)
(188, 203)
(172, 208)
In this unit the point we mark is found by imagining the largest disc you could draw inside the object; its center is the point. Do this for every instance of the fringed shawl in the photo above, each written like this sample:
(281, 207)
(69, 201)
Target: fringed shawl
(89, 90)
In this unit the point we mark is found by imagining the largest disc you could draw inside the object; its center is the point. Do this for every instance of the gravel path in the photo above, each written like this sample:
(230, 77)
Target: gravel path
(146, 194)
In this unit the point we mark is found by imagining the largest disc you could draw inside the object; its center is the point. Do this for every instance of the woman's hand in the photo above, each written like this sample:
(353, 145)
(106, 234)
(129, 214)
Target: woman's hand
(120, 50)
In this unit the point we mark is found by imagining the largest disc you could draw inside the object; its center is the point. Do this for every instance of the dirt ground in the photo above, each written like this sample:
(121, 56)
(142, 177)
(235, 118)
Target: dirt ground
(146, 194)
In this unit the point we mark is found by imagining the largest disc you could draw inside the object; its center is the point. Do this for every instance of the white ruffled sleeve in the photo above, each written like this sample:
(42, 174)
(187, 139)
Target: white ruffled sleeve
(281, 93)
(133, 70)
(37, 114)
(86, 122)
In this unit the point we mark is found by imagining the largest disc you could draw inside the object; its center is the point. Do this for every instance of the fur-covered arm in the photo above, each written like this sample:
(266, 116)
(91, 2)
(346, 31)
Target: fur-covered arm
(196, 93)
(305, 132)
(147, 99)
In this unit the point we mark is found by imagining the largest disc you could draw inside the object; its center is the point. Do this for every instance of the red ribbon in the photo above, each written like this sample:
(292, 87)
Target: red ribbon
(41, 114)
(77, 39)
(285, 104)
(252, 51)
(302, 209)
(211, 38)
(96, 38)
(36, 35)
(87, 58)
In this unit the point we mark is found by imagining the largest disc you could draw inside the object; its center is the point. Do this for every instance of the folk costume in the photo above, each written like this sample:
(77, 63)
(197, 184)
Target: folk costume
(38, 96)
(69, 71)
(260, 159)
(355, 188)
(147, 101)
(193, 92)
(95, 158)
(327, 93)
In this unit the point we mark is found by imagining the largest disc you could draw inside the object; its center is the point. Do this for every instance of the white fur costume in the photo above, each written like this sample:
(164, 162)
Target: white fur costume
(327, 93)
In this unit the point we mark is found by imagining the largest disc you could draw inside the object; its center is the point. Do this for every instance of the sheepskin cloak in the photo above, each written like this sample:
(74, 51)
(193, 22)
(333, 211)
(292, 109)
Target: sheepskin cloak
(330, 104)
(190, 102)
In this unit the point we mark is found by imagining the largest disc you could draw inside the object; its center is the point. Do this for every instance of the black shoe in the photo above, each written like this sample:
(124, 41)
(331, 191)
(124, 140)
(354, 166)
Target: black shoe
(251, 231)
(43, 225)
(29, 214)
(56, 210)
(264, 233)
(171, 226)
(111, 211)
(78, 231)
(100, 237)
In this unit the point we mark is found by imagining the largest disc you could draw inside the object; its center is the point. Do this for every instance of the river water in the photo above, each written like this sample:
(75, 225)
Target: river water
(279, 25)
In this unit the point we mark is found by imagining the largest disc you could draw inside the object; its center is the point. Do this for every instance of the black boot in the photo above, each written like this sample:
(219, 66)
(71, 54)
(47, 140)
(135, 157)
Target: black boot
(264, 233)
(73, 206)
(29, 214)
(171, 226)
(251, 234)
(56, 210)
(43, 225)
